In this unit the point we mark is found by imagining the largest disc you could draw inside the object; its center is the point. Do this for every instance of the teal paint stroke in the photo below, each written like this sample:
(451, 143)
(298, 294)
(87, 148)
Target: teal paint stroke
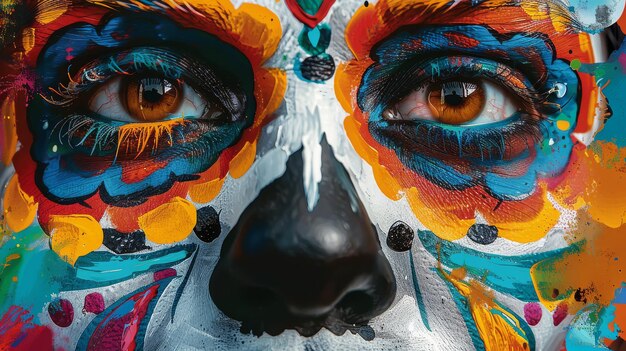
(418, 294)
(104, 268)
(506, 274)
(462, 304)
(39, 271)
(613, 72)
(310, 6)
(315, 41)
(590, 326)
(583, 335)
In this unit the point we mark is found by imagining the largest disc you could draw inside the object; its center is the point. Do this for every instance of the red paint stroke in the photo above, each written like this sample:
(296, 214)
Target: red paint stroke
(461, 40)
(120, 327)
(19, 333)
(309, 20)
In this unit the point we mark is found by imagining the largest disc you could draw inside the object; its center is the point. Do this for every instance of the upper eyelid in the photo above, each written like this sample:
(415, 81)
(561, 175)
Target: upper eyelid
(113, 63)
(527, 52)
(526, 94)
(528, 55)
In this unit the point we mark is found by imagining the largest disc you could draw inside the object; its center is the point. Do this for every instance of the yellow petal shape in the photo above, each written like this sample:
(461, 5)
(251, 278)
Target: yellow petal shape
(169, 223)
(73, 236)
(19, 207)
(205, 192)
(240, 164)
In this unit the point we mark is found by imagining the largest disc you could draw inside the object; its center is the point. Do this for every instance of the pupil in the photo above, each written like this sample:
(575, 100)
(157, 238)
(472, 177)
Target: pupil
(455, 93)
(453, 99)
(152, 90)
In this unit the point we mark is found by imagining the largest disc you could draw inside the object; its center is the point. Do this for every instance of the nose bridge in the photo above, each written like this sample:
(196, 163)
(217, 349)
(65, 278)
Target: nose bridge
(286, 264)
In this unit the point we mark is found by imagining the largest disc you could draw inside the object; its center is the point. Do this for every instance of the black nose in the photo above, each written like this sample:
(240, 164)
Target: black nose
(283, 266)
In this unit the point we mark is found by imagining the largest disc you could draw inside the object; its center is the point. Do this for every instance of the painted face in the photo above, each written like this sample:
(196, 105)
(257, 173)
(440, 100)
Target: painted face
(311, 175)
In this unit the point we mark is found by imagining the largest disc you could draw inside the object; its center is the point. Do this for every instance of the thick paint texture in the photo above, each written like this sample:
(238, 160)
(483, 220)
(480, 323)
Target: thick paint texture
(288, 200)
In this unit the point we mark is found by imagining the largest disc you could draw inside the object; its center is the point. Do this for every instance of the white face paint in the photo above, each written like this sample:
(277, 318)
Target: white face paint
(425, 313)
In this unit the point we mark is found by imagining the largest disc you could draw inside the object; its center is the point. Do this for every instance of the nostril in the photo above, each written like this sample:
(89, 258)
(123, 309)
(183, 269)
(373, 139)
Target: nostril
(259, 298)
(355, 305)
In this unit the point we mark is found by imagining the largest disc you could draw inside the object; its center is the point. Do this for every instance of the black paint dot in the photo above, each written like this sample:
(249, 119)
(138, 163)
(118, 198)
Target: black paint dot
(483, 234)
(123, 243)
(208, 227)
(400, 237)
(318, 68)
(366, 4)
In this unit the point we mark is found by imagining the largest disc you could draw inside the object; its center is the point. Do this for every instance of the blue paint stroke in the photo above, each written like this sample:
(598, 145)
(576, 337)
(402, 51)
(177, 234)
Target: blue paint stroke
(418, 295)
(506, 274)
(120, 309)
(104, 268)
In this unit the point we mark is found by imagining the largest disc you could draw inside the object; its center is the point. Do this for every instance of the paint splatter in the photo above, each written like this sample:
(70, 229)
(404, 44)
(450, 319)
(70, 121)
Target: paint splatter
(482, 233)
(400, 237)
(208, 227)
(560, 313)
(532, 313)
(19, 333)
(61, 312)
(94, 303)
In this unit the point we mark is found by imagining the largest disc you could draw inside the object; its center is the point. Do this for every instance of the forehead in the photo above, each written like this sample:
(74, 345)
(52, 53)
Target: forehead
(383, 16)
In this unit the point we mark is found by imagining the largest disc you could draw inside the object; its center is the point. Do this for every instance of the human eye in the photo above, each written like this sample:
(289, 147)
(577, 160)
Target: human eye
(484, 105)
(458, 101)
(142, 95)
(147, 99)
(137, 103)
(152, 90)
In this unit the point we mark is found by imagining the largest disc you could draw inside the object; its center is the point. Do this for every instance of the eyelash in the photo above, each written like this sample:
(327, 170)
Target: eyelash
(103, 70)
(376, 99)
(140, 135)
(497, 142)
(88, 131)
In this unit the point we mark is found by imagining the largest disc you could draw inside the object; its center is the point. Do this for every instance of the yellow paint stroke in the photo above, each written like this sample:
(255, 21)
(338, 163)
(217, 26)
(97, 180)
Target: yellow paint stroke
(562, 124)
(73, 236)
(240, 164)
(498, 328)
(169, 223)
(386, 182)
(527, 229)
(141, 135)
(205, 192)
(438, 220)
(49, 10)
(28, 39)
(9, 143)
(19, 208)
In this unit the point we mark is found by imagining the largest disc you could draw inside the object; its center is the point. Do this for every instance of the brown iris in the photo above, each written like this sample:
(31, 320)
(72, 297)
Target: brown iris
(456, 102)
(151, 99)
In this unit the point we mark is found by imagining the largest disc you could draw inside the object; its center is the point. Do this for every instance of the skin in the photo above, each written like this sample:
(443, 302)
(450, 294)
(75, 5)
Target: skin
(285, 192)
